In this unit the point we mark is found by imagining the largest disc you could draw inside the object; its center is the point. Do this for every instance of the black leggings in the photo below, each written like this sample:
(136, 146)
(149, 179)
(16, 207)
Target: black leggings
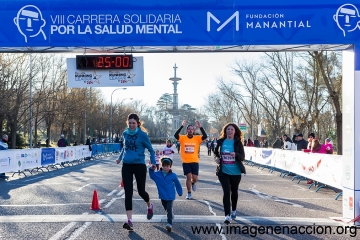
(230, 186)
(139, 170)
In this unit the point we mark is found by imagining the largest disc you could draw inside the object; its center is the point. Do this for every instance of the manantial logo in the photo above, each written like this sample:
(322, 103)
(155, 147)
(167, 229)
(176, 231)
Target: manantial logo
(347, 18)
(29, 21)
(234, 16)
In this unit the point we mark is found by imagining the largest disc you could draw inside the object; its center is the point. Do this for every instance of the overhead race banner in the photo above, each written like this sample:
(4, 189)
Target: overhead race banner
(105, 78)
(171, 23)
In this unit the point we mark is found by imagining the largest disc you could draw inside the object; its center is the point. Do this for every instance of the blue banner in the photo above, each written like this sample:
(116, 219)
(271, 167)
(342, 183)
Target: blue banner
(47, 156)
(78, 23)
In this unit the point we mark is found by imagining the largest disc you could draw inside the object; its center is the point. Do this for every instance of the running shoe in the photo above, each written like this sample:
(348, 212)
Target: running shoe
(193, 187)
(128, 225)
(168, 227)
(189, 196)
(227, 219)
(233, 215)
(150, 212)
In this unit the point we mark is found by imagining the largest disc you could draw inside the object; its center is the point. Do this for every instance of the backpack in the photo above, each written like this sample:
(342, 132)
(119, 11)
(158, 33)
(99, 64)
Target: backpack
(61, 143)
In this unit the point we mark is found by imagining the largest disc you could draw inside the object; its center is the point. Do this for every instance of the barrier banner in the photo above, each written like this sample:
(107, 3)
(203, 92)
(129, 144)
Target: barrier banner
(266, 157)
(62, 154)
(85, 152)
(7, 161)
(324, 168)
(47, 156)
(27, 159)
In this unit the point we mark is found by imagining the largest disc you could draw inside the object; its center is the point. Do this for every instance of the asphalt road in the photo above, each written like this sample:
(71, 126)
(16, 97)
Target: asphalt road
(56, 205)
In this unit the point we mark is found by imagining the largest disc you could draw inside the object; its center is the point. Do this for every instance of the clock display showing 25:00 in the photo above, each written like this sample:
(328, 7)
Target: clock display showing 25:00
(104, 62)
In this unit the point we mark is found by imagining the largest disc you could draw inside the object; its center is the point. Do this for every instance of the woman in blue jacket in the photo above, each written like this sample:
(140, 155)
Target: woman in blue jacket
(135, 141)
(165, 180)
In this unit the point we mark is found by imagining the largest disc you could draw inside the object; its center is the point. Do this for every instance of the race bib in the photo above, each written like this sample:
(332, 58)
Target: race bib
(168, 152)
(189, 148)
(227, 158)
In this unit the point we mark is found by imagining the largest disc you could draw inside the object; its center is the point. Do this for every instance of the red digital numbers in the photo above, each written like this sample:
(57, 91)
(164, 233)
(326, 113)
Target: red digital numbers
(104, 62)
(113, 62)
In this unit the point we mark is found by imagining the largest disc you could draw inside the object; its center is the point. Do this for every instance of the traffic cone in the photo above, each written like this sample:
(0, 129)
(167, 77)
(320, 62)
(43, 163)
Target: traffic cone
(95, 202)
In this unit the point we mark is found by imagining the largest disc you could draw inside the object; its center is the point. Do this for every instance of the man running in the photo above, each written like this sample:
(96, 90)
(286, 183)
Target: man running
(190, 145)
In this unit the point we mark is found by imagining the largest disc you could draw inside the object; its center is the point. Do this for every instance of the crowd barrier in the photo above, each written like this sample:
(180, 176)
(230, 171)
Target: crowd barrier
(29, 160)
(324, 169)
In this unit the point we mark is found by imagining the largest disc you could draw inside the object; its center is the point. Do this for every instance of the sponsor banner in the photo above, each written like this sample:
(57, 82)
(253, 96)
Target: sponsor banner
(47, 156)
(170, 23)
(63, 154)
(325, 168)
(105, 78)
(27, 158)
(7, 161)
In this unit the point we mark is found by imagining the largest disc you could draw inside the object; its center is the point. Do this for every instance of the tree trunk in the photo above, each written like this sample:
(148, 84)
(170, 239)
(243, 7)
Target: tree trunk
(338, 118)
(48, 135)
(13, 135)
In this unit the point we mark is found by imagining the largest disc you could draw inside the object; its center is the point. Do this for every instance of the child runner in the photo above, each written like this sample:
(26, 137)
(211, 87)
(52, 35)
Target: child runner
(165, 180)
(168, 149)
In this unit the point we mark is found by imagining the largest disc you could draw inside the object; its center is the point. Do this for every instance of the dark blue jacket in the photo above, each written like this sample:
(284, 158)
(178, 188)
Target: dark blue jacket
(165, 184)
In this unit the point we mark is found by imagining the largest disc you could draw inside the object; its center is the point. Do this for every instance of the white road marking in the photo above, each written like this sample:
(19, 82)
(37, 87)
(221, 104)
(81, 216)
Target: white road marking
(112, 192)
(33, 179)
(121, 192)
(217, 224)
(59, 234)
(44, 205)
(111, 202)
(276, 199)
(80, 188)
(79, 231)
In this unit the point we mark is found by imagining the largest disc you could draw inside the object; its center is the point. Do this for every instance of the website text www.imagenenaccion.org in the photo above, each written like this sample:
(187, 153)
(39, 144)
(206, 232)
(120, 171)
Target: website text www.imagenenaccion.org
(254, 231)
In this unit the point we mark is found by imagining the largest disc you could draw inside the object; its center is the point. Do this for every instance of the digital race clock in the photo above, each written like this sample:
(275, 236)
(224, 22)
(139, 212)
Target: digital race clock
(104, 61)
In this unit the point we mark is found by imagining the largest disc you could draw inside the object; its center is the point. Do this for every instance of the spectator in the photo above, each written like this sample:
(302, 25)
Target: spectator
(90, 148)
(266, 144)
(62, 142)
(75, 143)
(178, 146)
(310, 138)
(300, 142)
(287, 143)
(47, 142)
(213, 144)
(277, 143)
(250, 143)
(329, 146)
(208, 145)
(117, 140)
(256, 142)
(316, 146)
(4, 146)
(245, 142)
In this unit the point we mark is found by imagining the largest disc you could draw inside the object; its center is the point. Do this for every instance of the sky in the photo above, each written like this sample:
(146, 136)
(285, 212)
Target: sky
(198, 72)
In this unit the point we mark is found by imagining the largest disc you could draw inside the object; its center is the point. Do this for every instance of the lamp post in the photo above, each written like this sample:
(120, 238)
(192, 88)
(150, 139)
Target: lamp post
(31, 102)
(111, 135)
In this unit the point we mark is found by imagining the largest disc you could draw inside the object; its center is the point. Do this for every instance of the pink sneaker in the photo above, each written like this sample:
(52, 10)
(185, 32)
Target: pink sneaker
(150, 212)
